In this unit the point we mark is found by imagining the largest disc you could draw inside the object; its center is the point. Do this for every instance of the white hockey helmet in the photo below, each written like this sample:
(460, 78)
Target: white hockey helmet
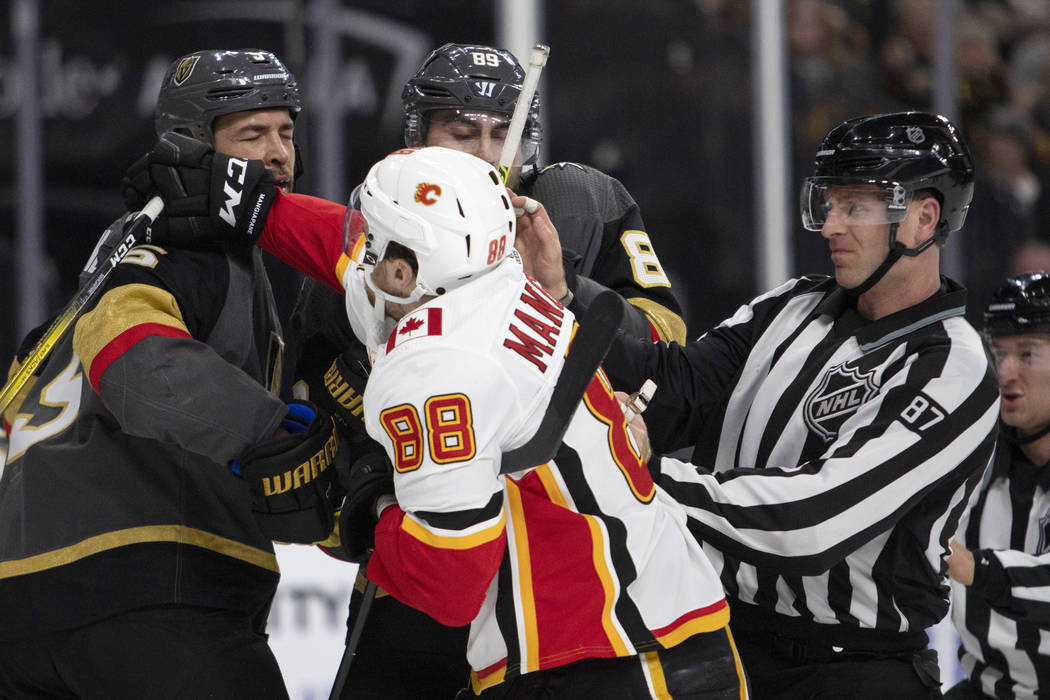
(448, 207)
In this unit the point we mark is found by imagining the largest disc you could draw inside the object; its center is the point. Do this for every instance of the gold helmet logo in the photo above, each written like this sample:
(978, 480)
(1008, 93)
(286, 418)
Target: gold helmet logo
(184, 69)
(427, 194)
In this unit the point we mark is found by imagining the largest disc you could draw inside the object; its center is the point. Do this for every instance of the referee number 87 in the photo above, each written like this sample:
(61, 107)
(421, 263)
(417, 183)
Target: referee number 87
(922, 413)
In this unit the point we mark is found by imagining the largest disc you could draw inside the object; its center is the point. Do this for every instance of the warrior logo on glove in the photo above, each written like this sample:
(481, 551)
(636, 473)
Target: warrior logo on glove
(306, 472)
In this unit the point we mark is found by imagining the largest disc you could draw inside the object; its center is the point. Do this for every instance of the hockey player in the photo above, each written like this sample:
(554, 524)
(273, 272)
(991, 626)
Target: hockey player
(581, 210)
(579, 578)
(846, 421)
(134, 562)
(1001, 570)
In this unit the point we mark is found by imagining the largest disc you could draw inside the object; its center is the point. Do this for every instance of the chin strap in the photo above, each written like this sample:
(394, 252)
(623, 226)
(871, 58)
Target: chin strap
(1010, 434)
(897, 250)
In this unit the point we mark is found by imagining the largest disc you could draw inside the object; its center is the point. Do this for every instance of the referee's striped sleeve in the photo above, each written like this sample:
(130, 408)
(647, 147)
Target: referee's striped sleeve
(932, 423)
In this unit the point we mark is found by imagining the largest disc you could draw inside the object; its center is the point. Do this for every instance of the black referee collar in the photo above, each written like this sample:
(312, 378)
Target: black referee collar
(948, 301)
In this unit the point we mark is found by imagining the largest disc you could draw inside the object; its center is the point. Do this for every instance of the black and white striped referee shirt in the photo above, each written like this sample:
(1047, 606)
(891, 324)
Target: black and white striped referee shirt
(843, 454)
(1004, 617)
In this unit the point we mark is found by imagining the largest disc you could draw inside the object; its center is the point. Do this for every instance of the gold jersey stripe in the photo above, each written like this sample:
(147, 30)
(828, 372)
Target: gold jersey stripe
(122, 308)
(669, 325)
(607, 577)
(707, 623)
(139, 535)
(413, 528)
(739, 666)
(656, 675)
(531, 662)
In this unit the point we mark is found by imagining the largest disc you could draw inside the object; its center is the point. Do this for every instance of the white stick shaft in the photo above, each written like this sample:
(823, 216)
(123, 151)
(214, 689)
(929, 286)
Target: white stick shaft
(537, 60)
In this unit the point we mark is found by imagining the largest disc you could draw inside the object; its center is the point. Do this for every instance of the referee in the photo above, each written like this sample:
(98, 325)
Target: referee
(840, 424)
(1001, 577)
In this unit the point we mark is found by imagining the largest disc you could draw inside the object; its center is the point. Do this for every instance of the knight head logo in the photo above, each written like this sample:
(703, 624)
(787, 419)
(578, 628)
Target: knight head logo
(841, 391)
(427, 194)
(184, 69)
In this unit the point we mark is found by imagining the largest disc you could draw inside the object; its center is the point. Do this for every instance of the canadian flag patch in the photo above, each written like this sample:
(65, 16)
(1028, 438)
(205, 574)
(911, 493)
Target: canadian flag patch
(418, 324)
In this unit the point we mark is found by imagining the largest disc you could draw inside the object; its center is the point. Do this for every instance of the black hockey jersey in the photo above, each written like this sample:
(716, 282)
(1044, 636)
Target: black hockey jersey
(116, 492)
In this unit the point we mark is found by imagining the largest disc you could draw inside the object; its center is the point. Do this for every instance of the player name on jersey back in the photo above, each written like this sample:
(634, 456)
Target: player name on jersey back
(535, 326)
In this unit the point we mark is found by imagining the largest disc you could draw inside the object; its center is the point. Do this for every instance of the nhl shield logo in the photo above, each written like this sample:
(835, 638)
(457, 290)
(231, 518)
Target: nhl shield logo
(840, 393)
(915, 134)
(185, 69)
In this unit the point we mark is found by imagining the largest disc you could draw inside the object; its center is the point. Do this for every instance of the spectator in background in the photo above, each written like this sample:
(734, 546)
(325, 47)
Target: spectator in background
(1000, 572)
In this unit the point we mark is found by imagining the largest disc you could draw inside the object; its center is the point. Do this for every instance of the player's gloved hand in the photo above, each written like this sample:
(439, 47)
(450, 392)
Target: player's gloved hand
(340, 391)
(208, 196)
(369, 483)
(290, 476)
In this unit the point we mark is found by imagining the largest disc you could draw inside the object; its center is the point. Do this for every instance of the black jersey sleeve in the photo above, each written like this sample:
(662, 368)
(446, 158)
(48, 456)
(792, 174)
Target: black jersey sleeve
(600, 222)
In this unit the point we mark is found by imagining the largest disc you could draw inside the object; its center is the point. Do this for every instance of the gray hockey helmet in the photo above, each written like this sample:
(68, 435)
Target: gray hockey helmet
(474, 77)
(204, 85)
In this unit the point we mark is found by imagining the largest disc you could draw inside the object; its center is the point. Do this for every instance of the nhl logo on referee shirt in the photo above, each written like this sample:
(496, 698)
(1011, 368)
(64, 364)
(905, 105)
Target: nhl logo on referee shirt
(840, 393)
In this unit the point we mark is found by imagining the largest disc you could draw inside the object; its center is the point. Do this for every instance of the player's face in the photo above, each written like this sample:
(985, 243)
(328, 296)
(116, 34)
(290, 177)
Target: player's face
(478, 133)
(857, 234)
(1023, 363)
(259, 134)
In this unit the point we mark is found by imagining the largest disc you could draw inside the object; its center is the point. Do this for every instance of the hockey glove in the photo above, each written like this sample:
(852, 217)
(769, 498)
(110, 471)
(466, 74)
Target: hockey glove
(338, 386)
(208, 196)
(290, 476)
(370, 478)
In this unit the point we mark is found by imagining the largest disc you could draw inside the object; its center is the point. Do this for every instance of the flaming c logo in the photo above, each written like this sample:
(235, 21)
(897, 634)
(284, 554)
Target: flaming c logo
(427, 194)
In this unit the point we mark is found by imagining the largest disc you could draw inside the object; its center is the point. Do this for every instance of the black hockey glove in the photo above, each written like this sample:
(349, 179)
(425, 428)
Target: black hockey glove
(370, 477)
(339, 388)
(208, 196)
(291, 476)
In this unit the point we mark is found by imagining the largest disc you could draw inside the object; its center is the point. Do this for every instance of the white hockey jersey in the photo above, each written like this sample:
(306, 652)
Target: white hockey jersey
(582, 557)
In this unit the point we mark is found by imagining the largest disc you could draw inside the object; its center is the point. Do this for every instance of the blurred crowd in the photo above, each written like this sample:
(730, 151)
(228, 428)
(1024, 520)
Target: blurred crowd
(670, 115)
(853, 56)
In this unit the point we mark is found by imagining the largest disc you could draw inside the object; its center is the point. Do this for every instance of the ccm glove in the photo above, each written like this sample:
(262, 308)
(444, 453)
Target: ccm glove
(370, 481)
(208, 196)
(290, 476)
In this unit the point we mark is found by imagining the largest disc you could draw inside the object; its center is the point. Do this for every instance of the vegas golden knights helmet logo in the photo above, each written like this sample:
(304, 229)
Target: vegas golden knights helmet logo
(184, 69)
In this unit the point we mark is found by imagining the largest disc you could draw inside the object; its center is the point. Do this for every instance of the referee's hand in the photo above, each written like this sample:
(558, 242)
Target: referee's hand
(960, 564)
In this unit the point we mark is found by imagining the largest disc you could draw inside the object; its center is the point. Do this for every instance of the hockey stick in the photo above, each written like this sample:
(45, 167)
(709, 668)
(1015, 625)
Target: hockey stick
(356, 630)
(597, 329)
(133, 231)
(537, 60)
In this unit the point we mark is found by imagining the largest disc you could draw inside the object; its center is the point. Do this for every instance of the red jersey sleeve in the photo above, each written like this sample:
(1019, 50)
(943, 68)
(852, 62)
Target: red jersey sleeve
(307, 233)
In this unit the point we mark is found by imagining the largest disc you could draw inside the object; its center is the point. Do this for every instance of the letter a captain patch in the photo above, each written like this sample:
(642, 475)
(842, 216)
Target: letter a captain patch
(418, 324)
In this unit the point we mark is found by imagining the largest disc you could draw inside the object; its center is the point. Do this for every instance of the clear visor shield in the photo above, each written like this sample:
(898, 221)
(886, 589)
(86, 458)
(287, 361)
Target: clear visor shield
(852, 204)
(1019, 352)
(355, 237)
(478, 133)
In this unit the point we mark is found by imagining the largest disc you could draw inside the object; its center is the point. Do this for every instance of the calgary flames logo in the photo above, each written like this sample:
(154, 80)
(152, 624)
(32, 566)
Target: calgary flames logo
(427, 194)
